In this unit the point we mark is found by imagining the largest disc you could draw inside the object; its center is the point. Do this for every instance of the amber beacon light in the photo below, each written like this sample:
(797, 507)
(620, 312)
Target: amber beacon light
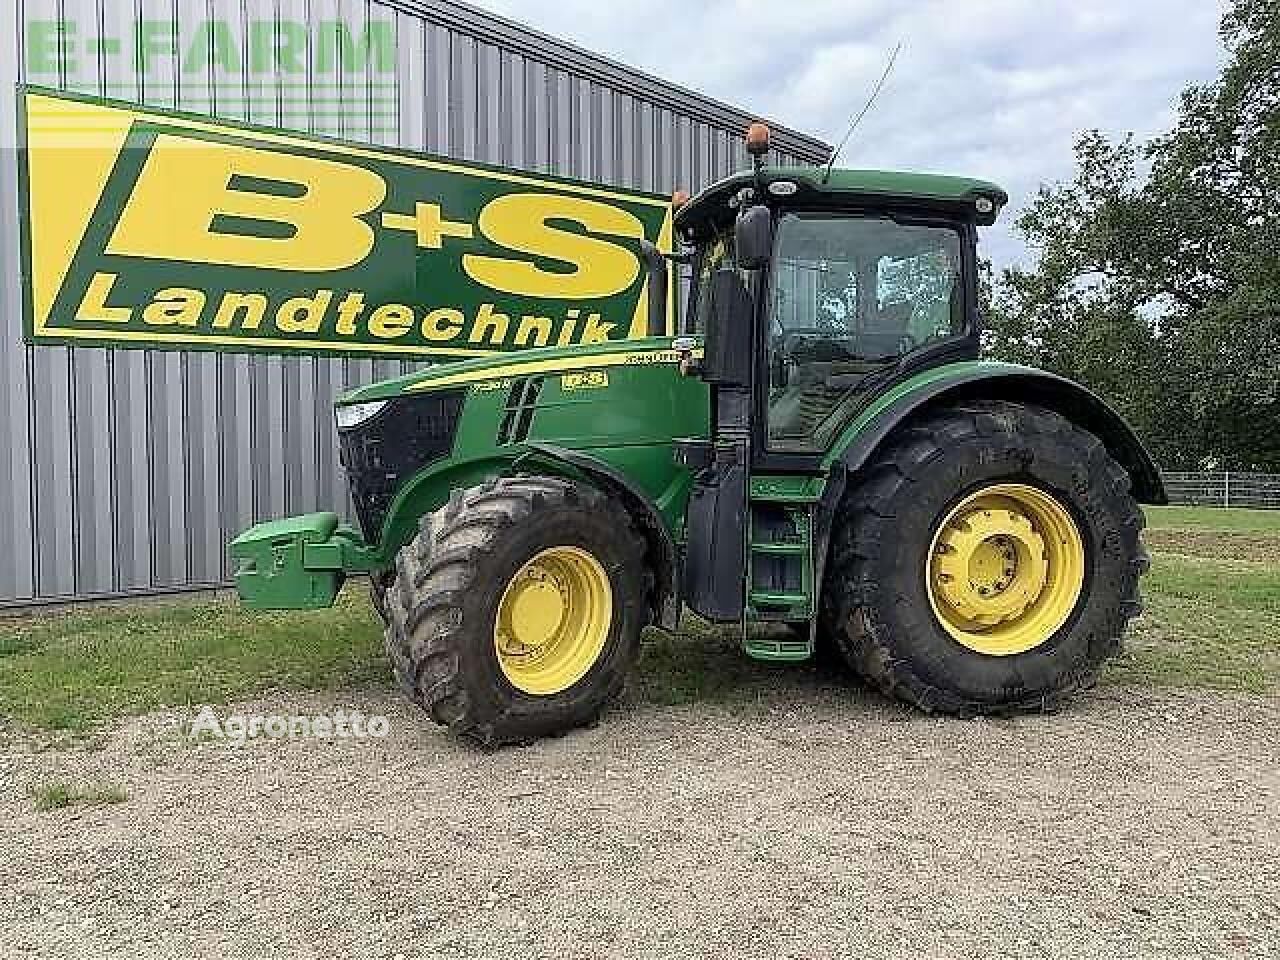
(757, 139)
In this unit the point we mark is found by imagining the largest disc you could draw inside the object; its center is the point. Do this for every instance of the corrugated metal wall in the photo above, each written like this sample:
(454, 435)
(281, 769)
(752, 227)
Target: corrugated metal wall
(126, 471)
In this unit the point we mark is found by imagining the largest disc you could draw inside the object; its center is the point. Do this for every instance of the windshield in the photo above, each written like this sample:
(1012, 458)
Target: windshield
(849, 296)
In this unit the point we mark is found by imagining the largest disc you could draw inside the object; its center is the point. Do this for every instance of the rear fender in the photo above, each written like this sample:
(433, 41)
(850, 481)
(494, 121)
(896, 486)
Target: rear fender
(1015, 384)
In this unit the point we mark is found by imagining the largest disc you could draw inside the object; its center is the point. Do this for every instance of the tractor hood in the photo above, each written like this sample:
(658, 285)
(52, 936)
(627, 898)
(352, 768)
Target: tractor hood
(501, 366)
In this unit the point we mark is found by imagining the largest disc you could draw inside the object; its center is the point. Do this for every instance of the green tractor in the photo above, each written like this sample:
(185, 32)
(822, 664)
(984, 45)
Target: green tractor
(819, 447)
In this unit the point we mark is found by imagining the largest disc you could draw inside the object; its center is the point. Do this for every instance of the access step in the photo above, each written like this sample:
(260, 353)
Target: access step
(777, 650)
(765, 598)
(782, 547)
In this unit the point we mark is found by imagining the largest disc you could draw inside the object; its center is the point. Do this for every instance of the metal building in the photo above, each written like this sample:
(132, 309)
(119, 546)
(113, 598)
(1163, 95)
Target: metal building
(126, 472)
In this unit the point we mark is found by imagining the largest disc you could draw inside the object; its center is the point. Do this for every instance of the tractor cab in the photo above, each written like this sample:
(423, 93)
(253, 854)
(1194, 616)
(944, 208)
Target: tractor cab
(814, 292)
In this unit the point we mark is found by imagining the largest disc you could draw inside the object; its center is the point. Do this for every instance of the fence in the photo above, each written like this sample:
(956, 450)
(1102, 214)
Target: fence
(1258, 490)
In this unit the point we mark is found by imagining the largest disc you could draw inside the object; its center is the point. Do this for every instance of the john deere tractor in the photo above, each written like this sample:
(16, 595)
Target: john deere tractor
(819, 447)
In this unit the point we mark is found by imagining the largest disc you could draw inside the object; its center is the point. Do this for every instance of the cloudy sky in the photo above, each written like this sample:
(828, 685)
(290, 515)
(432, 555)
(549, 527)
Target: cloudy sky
(991, 88)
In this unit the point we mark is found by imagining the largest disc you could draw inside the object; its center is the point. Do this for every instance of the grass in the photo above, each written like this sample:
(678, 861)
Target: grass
(59, 795)
(1211, 622)
(1208, 624)
(70, 672)
(1211, 518)
(1239, 586)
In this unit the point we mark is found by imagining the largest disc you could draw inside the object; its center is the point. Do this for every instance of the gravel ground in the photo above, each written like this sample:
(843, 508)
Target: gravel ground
(808, 822)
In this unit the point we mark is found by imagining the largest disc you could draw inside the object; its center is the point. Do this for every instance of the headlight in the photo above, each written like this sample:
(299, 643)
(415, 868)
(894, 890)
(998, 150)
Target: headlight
(352, 415)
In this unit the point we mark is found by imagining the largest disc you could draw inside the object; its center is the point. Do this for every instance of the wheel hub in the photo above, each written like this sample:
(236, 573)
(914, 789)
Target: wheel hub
(537, 611)
(990, 565)
(553, 620)
(1005, 569)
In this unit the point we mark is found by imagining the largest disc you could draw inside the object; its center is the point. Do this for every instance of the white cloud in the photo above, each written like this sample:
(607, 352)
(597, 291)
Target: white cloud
(990, 88)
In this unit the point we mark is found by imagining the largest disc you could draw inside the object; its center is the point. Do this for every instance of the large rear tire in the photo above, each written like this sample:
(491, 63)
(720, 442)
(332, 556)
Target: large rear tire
(516, 611)
(987, 562)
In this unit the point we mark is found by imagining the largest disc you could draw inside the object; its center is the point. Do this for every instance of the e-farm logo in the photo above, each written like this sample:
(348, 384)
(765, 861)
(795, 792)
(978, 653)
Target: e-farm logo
(166, 230)
(325, 74)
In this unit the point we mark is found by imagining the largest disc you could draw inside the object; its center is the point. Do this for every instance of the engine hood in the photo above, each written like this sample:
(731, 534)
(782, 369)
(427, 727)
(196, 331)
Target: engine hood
(501, 366)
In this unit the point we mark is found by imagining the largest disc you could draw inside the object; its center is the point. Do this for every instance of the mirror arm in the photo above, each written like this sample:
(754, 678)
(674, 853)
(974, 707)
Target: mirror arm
(656, 266)
(757, 180)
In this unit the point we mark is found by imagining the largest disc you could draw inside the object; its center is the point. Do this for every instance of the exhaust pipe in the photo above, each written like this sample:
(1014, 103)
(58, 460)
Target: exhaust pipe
(658, 279)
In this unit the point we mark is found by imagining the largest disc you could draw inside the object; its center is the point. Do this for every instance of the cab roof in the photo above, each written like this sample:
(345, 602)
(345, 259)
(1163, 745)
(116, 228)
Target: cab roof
(851, 188)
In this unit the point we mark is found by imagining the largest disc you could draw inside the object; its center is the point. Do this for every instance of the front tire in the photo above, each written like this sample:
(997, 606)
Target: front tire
(987, 562)
(516, 611)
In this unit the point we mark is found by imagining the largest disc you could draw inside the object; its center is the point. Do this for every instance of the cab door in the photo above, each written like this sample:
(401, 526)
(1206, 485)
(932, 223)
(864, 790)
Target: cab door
(851, 302)
(851, 299)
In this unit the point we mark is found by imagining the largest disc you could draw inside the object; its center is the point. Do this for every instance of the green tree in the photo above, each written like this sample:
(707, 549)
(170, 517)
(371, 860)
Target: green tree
(1161, 290)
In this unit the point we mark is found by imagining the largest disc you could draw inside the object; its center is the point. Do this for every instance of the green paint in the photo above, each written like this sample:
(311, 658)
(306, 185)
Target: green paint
(796, 495)
(627, 425)
(897, 184)
(490, 370)
(300, 562)
(772, 650)
(297, 563)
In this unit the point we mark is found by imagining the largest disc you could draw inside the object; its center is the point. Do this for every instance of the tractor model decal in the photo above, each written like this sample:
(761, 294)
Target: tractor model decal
(153, 229)
(590, 380)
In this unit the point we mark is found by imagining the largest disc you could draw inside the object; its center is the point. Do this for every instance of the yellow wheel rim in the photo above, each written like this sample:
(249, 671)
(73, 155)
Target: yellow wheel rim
(1005, 569)
(553, 620)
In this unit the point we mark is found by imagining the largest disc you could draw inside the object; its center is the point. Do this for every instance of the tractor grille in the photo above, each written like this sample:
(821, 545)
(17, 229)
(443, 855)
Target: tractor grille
(382, 453)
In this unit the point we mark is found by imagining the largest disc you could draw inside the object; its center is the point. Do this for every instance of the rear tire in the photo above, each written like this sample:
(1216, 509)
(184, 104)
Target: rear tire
(881, 597)
(453, 579)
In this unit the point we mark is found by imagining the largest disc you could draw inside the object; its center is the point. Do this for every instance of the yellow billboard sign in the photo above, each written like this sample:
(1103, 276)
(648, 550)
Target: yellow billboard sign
(151, 229)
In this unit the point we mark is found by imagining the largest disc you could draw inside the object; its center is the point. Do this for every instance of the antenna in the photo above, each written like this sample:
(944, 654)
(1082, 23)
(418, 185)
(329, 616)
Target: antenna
(888, 68)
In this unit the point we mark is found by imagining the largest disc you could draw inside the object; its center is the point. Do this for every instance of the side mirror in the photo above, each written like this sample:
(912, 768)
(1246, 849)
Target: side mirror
(727, 344)
(753, 237)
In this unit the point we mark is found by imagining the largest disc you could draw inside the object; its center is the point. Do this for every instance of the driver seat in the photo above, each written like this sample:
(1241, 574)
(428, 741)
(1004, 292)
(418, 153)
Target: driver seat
(883, 333)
